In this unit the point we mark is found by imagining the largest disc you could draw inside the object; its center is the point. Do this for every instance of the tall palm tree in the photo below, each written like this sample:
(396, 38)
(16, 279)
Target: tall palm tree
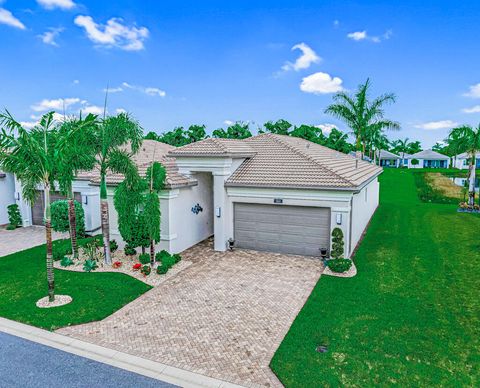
(33, 156)
(467, 139)
(78, 154)
(116, 139)
(360, 114)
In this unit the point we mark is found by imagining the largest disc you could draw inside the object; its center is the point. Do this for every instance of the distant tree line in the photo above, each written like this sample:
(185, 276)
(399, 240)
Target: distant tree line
(179, 136)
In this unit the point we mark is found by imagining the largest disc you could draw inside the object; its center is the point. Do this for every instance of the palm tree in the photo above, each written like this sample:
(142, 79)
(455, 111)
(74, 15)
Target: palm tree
(360, 114)
(378, 142)
(112, 136)
(78, 154)
(33, 156)
(467, 139)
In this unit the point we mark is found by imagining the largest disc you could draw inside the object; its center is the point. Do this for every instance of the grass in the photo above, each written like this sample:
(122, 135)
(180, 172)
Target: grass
(412, 314)
(95, 295)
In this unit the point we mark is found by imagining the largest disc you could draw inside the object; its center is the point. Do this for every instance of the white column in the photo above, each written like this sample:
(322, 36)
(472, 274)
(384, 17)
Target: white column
(24, 206)
(220, 210)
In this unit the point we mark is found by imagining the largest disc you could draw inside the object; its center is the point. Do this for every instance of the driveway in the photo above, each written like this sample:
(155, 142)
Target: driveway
(12, 241)
(224, 316)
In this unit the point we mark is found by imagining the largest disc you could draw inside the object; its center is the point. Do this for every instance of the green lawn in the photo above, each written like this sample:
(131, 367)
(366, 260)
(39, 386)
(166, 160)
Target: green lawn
(412, 314)
(23, 281)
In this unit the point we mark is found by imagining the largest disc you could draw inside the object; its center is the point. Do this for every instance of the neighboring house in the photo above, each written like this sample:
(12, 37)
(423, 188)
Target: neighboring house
(269, 192)
(462, 161)
(388, 159)
(428, 159)
(282, 194)
(7, 197)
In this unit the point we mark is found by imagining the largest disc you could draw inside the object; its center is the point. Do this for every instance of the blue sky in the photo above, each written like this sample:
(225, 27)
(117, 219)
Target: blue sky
(175, 63)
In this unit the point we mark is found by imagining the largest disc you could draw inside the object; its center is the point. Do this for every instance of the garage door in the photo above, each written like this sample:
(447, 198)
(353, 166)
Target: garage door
(38, 207)
(284, 229)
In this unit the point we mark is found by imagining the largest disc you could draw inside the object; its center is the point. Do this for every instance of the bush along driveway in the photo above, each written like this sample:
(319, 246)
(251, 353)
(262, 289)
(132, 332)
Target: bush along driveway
(95, 295)
(412, 314)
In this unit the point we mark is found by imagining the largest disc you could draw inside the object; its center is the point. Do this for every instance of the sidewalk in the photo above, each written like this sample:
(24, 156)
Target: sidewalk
(134, 364)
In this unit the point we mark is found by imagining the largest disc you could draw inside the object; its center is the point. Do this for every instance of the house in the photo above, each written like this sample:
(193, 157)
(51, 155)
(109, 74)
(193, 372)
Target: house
(7, 189)
(428, 159)
(269, 192)
(462, 161)
(404, 157)
(388, 159)
(282, 194)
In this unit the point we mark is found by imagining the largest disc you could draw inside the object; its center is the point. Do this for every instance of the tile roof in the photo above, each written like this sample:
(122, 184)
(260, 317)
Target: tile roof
(291, 162)
(215, 147)
(388, 155)
(149, 150)
(428, 154)
(466, 155)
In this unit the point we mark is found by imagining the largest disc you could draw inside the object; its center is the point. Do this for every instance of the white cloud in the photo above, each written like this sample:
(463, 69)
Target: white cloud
(114, 33)
(336, 23)
(326, 128)
(229, 122)
(321, 83)
(52, 4)
(120, 110)
(113, 90)
(76, 81)
(304, 61)
(473, 91)
(30, 124)
(48, 37)
(94, 109)
(149, 90)
(473, 109)
(358, 35)
(434, 125)
(363, 35)
(7, 18)
(56, 104)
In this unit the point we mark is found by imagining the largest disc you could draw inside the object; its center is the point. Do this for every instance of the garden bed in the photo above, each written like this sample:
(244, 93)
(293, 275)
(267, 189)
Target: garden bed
(127, 263)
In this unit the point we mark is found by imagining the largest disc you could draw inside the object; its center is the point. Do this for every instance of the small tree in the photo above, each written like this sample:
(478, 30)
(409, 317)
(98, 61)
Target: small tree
(337, 243)
(61, 217)
(14, 217)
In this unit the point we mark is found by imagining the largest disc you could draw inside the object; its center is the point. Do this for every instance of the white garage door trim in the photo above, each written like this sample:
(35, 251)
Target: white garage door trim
(299, 230)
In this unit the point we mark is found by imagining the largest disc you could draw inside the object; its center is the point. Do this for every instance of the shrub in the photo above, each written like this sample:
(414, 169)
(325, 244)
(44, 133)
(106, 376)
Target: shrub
(176, 258)
(136, 266)
(14, 217)
(129, 250)
(162, 270)
(113, 246)
(415, 162)
(90, 250)
(117, 264)
(59, 251)
(146, 269)
(337, 243)
(90, 265)
(160, 255)
(144, 258)
(168, 261)
(339, 265)
(427, 192)
(60, 221)
(66, 262)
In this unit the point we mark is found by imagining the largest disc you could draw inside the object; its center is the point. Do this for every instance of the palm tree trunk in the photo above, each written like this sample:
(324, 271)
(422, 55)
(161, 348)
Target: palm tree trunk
(72, 218)
(471, 185)
(152, 253)
(105, 220)
(48, 232)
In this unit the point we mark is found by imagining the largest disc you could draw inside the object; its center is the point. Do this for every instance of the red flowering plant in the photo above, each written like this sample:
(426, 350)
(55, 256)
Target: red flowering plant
(137, 266)
(117, 264)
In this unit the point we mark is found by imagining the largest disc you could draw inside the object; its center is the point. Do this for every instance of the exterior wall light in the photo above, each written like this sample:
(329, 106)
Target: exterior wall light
(339, 218)
(230, 244)
(218, 212)
(197, 209)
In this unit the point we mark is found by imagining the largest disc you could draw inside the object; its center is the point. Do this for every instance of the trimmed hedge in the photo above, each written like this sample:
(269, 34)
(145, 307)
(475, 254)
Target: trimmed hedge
(339, 265)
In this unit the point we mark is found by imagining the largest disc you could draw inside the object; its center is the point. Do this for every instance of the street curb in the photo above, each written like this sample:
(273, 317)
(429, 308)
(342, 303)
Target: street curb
(112, 357)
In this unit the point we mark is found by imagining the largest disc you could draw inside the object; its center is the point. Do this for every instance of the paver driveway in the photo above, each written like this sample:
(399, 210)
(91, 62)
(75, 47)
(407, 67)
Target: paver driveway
(224, 316)
(12, 241)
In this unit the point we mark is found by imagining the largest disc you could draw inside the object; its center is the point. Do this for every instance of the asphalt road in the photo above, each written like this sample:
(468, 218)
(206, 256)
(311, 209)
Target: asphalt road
(27, 364)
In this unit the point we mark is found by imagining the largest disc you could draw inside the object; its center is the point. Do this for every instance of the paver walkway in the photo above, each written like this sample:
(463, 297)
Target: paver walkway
(12, 241)
(223, 317)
